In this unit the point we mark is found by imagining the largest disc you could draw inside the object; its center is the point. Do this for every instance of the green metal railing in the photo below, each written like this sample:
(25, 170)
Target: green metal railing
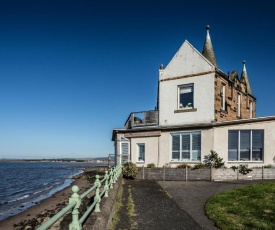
(109, 180)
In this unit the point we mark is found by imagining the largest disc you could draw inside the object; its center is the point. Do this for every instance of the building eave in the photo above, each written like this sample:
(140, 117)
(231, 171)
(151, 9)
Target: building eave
(194, 125)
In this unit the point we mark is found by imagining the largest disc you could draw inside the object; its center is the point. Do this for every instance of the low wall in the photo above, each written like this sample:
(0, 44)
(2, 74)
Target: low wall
(166, 174)
(256, 174)
(175, 174)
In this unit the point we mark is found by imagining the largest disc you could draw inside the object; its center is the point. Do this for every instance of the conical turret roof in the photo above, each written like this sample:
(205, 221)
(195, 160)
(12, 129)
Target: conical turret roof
(208, 51)
(244, 79)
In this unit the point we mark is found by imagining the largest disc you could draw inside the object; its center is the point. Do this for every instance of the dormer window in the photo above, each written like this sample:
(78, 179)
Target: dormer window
(186, 96)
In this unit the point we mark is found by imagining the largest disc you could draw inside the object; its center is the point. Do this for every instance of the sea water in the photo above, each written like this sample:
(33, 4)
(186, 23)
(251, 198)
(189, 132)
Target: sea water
(24, 184)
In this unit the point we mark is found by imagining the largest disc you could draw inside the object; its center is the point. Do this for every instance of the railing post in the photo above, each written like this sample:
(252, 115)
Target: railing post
(111, 178)
(106, 187)
(97, 196)
(120, 169)
(75, 225)
(116, 174)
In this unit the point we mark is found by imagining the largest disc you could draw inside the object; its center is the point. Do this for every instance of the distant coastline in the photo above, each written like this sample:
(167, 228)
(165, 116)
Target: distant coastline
(99, 160)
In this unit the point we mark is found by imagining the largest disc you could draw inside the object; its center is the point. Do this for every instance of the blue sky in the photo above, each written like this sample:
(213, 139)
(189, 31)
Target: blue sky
(71, 71)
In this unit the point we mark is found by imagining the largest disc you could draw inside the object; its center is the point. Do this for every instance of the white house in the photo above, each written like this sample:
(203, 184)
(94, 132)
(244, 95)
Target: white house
(199, 109)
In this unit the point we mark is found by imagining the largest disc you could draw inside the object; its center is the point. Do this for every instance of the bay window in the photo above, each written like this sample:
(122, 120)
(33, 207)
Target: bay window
(186, 146)
(245, 145)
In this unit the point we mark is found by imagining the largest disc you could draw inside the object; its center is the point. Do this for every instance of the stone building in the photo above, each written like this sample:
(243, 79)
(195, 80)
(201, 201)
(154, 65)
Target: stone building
(199, 108)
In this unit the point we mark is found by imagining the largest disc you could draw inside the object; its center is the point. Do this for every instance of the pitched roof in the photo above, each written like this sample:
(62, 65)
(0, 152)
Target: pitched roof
(187, 60)
(208, 50)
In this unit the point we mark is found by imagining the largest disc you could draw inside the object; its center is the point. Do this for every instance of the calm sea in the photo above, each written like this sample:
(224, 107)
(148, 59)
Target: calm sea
(24, 184)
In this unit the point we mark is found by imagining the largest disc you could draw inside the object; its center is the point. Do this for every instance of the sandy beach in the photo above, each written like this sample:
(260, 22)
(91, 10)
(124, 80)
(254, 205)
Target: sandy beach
(36, 215)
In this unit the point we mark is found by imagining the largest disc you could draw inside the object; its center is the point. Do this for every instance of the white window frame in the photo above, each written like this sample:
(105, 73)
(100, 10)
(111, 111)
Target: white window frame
(191, 86)
(122, 153)
(223, 97)
(250, 146)
(239, 105)
(180, 147)
(250, 109)
(138, 151)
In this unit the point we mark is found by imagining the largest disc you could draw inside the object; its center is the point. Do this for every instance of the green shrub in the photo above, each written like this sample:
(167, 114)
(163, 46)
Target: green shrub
(234, 167)
(151, 165)
(213, 160)
(268, 166)
(243, 169)
(183, 166)
(198, 166)
(130, 170)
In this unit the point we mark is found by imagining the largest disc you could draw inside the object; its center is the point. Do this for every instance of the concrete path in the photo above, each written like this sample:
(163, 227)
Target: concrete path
(153, 209)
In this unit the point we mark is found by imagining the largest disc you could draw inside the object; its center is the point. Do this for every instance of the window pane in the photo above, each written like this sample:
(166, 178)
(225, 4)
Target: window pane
(196, 146)
(141, 152)
(185, 145)
(239, 105)
(176, 147)
(186, 97)
(176, 143)
(124, 152)
(124, 159)
(176, 156)
(257, 145)
(233, 145)
(245, 145)
(124, 148)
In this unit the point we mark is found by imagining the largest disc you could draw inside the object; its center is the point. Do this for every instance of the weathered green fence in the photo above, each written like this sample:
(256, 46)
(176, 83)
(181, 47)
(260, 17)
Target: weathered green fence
(109, 180)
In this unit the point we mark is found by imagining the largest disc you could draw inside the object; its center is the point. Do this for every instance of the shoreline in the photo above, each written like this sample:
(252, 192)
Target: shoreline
(34, 216)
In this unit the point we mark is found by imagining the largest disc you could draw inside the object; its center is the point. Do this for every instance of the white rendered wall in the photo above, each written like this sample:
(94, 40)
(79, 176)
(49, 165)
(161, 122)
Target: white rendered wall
(221, 142)
(187, 61)
(203, 101)
(151, 150)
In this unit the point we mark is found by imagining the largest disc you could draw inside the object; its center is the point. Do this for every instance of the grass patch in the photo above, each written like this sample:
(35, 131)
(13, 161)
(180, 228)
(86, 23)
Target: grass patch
(166, 193)
(130, 208)
(249, 207)
(116, 219)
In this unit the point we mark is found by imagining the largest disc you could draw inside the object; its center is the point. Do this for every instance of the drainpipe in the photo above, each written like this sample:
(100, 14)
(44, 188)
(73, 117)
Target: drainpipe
(158, 153)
